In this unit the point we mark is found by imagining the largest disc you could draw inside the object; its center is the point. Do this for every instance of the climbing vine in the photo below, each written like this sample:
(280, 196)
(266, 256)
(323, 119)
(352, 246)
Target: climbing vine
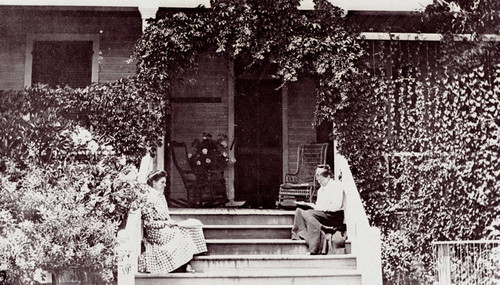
(273, 35)
(422, 133)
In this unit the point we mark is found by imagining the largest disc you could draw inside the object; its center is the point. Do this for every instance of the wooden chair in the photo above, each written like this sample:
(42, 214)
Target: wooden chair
(198, 193)
(300, 186)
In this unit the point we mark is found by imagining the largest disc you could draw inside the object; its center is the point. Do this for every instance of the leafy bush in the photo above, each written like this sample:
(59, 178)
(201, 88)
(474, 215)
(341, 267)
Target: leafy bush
(65, 213)
(64, 189)
(125, 114)
(399, 259)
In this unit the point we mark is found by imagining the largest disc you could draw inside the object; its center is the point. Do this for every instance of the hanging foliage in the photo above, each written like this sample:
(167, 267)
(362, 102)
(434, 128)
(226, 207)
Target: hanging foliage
(423, 135)
(320, 44)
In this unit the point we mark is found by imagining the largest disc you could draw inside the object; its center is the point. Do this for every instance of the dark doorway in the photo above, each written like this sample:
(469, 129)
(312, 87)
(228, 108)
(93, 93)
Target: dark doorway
(324, 134)
(258, 130)
(62, 63)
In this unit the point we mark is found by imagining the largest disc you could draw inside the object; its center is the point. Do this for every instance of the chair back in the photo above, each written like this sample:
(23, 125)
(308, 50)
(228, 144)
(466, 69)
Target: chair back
(309, 156)
(180, 159)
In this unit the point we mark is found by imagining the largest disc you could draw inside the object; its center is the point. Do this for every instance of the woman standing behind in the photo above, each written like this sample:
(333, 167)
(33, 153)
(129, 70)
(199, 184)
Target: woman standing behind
(169, 245)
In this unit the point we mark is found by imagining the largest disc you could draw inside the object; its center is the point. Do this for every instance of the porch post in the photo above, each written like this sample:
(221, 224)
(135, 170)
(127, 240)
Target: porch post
(336, 169)
(148, 10)
(230, 132)
(284, 114)
(444, 264)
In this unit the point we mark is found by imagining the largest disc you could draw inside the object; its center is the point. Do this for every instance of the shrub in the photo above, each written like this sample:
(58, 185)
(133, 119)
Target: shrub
(64, 189)
(124, 114)
(65, 214)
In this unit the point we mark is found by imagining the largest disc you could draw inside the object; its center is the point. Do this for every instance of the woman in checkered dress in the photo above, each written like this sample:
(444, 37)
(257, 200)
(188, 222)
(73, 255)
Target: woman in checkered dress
(168, 245)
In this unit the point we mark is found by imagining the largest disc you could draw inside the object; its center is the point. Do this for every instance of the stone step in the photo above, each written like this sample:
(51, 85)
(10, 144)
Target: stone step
(255, 246)
(247, 231)
(228, 216)
(252, 277)
(213, 263)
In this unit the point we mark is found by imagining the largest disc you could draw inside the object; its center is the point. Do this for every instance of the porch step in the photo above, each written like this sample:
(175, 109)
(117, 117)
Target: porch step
(247, 231)
(219, 263)
(256, 246)
(261, 277)
(248, 247)
(235, 216)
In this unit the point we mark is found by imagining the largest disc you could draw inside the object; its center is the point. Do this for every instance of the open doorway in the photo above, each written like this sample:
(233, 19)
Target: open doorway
(258, 132)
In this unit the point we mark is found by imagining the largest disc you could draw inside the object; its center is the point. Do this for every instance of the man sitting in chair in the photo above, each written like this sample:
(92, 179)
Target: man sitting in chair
(328, 211)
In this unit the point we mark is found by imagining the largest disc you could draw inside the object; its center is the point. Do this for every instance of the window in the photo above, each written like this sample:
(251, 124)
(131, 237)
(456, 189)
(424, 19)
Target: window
(62, 63)
(62, 59)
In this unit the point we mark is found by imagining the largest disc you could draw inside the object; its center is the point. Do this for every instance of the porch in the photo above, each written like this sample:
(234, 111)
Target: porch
(245, 245)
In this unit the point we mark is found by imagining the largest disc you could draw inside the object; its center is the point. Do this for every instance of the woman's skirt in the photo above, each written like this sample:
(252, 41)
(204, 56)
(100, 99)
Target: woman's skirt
(169, 248)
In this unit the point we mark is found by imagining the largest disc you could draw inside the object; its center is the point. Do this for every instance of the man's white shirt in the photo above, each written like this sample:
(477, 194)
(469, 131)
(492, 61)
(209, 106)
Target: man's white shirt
(330, 197)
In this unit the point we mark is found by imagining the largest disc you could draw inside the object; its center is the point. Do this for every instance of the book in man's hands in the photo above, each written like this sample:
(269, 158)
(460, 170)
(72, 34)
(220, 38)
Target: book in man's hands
(305, 205)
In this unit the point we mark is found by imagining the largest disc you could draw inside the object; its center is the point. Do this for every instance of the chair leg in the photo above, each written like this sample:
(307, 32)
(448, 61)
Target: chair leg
(193, 197)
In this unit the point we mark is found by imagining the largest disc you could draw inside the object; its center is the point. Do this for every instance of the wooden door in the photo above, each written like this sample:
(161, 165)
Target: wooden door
(258, 151)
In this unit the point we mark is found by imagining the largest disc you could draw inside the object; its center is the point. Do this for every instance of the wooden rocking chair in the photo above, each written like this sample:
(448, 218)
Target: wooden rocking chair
(198, 194)
(211, 193)
(300, 186)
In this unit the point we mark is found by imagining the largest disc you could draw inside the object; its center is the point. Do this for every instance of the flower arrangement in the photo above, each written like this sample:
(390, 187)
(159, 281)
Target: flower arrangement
(209, 155)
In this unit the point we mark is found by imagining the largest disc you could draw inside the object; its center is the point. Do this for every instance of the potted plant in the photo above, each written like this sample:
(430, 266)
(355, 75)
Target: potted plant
(209, 157)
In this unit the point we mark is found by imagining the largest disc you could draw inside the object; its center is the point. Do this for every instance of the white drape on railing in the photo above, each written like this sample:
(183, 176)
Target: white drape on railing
(130, 237)
(365, 240)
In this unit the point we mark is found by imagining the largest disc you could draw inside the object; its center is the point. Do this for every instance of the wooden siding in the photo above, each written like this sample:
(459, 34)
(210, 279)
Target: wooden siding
(301, 104)
(12, 52)
(191, 119)
(117, 32)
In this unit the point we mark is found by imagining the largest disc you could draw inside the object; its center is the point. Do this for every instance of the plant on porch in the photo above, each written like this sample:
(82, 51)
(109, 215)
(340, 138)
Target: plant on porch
(209, 156)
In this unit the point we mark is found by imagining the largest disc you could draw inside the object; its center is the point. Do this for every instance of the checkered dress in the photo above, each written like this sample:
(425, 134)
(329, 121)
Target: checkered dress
(167, 247)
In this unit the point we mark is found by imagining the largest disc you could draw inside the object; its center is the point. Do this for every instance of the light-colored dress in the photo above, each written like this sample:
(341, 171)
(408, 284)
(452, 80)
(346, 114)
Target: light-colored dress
(167, 247)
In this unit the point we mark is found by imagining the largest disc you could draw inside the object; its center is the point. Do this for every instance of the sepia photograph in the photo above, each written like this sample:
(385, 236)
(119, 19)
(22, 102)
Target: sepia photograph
(244, 142)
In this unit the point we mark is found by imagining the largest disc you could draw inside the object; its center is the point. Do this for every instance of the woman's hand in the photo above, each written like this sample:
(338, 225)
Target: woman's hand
(171, 224)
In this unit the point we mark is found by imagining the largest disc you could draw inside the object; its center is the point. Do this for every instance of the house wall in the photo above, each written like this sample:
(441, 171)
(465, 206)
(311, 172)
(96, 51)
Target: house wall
(301, 106)
(12, 52)
(200, 100)
(118, 32)
(200, 104)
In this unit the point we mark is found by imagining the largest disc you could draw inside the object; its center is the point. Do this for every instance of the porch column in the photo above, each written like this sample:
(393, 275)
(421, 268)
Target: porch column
(148, 10)
(284, 114)
(336, 168)
(231, 136)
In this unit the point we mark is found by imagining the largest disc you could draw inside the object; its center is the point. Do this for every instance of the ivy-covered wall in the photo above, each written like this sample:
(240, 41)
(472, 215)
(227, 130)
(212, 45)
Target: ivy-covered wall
(422, 135)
